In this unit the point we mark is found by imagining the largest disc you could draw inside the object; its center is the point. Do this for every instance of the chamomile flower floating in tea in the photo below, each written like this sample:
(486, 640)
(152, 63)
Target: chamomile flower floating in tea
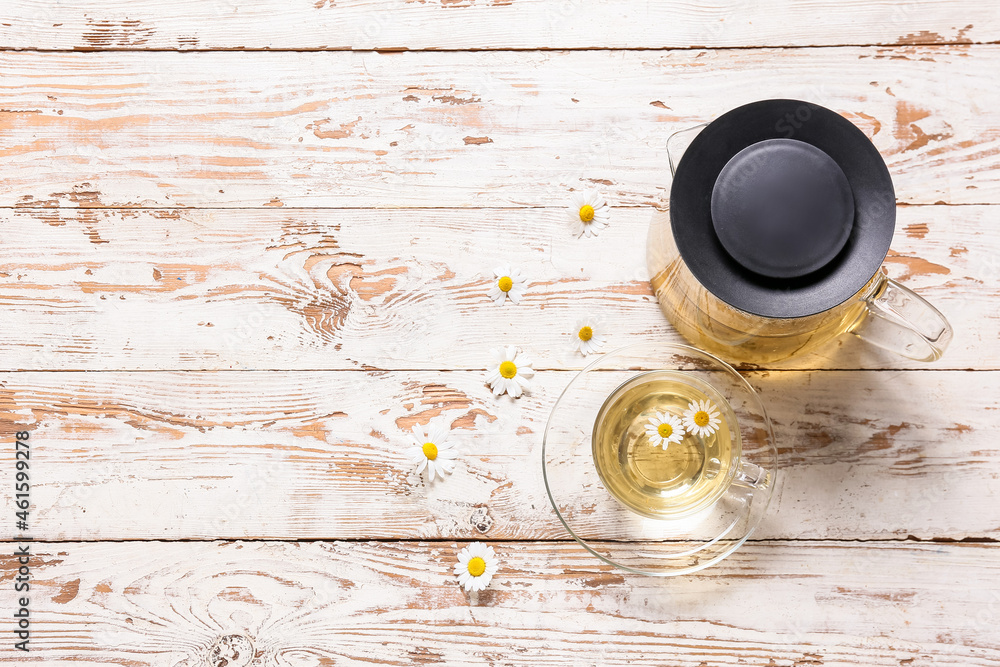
(476, 566)
(511, 372)
(431, 452)
(701, 418)
(588, 212)
(663, 429)
(589, 336)
(508, 284)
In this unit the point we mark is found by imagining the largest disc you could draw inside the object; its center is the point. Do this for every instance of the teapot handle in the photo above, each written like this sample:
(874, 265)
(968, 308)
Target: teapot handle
(897, 319)
(678, 142)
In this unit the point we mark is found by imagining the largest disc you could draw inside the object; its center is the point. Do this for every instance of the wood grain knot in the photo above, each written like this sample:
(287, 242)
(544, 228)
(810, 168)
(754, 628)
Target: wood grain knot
(481, 519)
(231, 651)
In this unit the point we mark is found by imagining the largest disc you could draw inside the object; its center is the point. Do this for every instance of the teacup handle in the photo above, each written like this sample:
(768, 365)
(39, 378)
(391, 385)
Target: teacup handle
(898, 320)
(753, 476)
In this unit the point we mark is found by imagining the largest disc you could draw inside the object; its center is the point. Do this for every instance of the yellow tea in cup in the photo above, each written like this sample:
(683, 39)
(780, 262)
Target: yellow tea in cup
(684, 477)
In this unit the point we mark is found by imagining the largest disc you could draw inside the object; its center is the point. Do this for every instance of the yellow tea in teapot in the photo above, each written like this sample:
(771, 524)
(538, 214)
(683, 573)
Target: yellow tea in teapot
(702, 449)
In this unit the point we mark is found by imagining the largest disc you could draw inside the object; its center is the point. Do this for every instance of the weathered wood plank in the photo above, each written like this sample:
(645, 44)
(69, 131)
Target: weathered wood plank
(478, 24)
(864, 455)
(338, 603)
(459, 129)
(346, 289)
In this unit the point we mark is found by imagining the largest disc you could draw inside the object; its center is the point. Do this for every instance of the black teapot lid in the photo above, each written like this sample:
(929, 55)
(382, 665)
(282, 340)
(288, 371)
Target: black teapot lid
(782, 208)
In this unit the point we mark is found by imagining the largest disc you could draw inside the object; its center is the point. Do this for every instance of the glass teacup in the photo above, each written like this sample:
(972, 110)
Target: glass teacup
(659, 459)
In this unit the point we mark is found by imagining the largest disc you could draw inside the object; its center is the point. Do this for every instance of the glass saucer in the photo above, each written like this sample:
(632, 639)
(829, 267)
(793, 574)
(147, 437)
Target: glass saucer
(658, 522)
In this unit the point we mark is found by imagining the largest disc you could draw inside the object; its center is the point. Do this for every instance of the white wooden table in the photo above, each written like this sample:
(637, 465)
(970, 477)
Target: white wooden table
(246, 246)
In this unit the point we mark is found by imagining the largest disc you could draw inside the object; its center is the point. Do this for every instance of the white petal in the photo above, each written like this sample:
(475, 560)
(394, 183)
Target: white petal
(420, 468)
(438, 434)
(513, 388)
(514, 296)
(522, 384)
(501, 271)
(418, 433)
(525, 371)
(510, 353)
(499, 388)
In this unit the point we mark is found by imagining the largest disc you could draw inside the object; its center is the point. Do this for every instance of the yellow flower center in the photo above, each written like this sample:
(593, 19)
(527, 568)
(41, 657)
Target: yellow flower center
(665, 430)
(508, 369)
(430, 451)
(586, 333)
(701, 418)
(477, 566)
(505, 283)
(586, 213)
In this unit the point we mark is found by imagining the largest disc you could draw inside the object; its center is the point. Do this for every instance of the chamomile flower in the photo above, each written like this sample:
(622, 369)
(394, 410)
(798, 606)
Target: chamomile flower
(431, 451)
(589, 336)
(476, 566)
(701, 418)
(511, 371)
(588, 213)
(507, 284)
(664, 428)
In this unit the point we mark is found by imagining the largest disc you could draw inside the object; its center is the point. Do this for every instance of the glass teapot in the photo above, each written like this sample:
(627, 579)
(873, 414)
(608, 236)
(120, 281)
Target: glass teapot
(781, 213)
